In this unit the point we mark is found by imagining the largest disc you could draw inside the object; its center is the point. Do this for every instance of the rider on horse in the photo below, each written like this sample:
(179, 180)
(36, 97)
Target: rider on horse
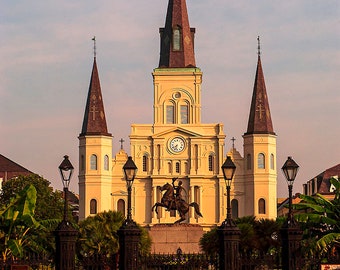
(178, 194)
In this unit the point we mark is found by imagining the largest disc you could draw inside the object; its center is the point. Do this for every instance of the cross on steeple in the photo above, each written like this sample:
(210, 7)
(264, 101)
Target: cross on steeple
(258, 46)
(93, 111)
(260, 110)
(94, 46)
(121, 143)
(233, 140)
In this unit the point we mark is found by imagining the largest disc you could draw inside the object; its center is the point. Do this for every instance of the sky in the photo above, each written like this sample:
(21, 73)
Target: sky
(46, 52)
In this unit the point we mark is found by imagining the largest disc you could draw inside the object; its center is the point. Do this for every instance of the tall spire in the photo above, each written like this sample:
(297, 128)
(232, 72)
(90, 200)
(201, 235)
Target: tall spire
(177, 38)
(260, 121)
(94, 118)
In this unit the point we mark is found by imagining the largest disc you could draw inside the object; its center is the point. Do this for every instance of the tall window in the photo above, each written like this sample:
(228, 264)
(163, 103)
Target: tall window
(121, 206)
(177, 39)
(184, 114)
(234, 208)
(93, 206)
(261, 161)
(177, 167)
(93, 162)
(145, 163)
(170, 114)
(211, 163)
(248, 162)
(262, 206)
(106, 162)
(272, 162)
(169, 167)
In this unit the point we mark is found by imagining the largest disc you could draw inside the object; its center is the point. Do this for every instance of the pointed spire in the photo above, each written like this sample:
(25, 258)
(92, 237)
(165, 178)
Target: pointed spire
(177, 38)
(94, 118)
(260, 121)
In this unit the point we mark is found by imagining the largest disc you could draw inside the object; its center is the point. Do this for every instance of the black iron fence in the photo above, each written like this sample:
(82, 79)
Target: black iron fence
(178, 261)
(33, 261)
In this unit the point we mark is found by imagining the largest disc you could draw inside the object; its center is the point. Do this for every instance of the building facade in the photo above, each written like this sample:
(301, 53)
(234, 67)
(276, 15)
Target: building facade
(178, 145)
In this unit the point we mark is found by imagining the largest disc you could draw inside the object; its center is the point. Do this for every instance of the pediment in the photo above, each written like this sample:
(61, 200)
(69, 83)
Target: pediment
(176, 130)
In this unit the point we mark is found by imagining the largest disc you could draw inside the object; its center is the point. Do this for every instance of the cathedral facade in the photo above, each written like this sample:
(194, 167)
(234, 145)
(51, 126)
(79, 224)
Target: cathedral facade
(177, 145)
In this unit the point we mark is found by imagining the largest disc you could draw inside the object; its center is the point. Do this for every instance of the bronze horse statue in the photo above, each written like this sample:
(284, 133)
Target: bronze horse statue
(170, 202)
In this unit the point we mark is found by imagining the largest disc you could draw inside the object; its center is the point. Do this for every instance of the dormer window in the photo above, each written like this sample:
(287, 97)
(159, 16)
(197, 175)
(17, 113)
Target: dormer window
(176, 39)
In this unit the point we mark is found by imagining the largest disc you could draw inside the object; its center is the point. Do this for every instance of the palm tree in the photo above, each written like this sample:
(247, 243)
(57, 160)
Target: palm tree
(321, 219)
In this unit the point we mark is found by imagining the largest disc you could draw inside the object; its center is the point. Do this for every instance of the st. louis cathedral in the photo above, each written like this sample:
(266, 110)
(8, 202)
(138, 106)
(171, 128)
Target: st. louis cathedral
(178, 145)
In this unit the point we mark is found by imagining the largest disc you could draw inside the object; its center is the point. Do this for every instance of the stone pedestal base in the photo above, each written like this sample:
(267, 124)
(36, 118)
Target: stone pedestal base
(167, 238)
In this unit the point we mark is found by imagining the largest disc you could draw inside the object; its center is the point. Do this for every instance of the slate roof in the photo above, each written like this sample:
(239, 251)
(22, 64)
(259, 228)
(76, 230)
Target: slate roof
(94, 122)
(10, 169)
(177, 19)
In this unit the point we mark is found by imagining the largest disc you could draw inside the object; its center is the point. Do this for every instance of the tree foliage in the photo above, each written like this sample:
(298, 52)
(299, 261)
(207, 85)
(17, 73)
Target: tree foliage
(19, 230)
(257, 236)
(321, 220)
(98, 235)
(49, 203)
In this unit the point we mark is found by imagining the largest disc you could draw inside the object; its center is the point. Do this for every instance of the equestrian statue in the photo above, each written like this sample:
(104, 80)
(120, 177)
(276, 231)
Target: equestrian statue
(172, 200)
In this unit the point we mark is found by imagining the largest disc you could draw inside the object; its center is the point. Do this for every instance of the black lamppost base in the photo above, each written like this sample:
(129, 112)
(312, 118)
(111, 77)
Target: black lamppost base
(229, 238)
(291, 236)
(65, 236)
(129, 237)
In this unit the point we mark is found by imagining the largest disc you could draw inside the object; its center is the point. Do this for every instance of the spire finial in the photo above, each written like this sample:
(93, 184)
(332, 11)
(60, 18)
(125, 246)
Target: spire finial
(233, 140)
(258, 46)
(94, 46)
(121, 143)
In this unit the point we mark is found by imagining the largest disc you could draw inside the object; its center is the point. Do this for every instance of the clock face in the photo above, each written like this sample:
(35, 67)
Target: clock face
(177, 144)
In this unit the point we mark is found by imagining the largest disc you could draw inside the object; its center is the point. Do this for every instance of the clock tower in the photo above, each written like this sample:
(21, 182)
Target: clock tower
(177, 144)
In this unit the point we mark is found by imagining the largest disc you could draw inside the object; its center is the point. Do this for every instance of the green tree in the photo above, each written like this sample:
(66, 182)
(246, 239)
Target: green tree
(257, 236)
(209, 242)
(49, 203)
(18, 225)
(321, 220)
(98, 235)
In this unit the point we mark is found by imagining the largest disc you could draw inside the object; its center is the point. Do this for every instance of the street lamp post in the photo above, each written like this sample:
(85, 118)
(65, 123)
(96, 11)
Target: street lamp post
(290, 233)
(65, 234)
(229, 233)
(129, 233)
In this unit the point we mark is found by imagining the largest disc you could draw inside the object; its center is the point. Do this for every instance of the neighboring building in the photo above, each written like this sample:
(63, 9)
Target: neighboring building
(9, 169)
(319, 184)
(177, 144)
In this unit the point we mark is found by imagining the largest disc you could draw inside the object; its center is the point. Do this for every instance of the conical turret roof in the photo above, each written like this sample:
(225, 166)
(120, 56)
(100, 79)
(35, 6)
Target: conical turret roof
(177, 38)
(94, 122)
(260, 121)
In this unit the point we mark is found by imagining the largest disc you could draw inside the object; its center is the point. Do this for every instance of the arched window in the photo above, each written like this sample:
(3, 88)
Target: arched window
(177, 167)
(145, 163)
(93, 206)
(234, 208)
(169, 167)
(211, 163)
(106, 162)
(176, 40)
(93, 162)
(248, 162)
(121, 206)
(261, 161)
(170, 114)
(262, 206)
(184, 114)
(272, 162)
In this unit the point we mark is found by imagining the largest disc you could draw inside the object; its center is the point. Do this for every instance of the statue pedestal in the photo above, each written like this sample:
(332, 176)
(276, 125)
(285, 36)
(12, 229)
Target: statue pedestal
(167, 238)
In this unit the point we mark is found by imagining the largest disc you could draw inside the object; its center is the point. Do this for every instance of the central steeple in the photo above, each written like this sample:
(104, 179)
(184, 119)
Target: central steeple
(260, 121)
(177, 38)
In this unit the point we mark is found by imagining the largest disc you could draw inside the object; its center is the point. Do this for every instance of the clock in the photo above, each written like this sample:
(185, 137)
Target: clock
(177, 144)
